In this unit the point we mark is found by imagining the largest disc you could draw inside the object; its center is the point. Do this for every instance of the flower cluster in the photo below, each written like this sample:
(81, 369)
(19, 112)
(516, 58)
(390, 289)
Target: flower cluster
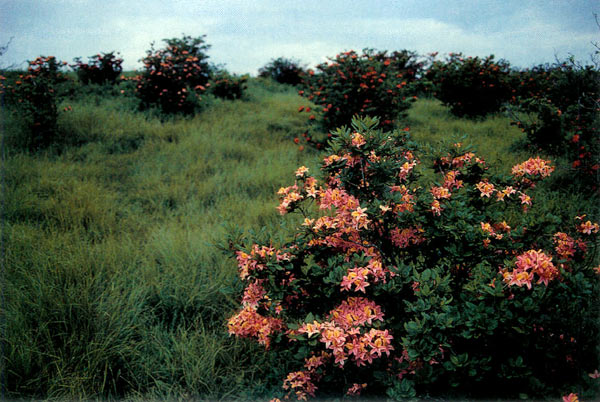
(533, 167)
(530, 263)
(248, 323)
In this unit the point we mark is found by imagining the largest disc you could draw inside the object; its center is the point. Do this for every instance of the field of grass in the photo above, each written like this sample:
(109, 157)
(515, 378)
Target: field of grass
(114, 284)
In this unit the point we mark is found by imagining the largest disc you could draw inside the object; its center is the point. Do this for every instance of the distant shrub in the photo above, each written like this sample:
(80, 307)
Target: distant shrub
(174, 77)
(368, 84)
(470, 86)
(100, 69)
(282, 70)
(562, 102)
(227, 86)
(35, 97)
(445, 288)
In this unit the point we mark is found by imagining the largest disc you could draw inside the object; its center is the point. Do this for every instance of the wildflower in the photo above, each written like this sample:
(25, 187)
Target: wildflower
(565, 245)
(310, 329)
(525, 199)
(588, 228)
(253, 293)
(384, 208)
(356, 277)
(570, 398)
(358, 140)
(530, 263)
(436, 208)
(250, 324)
(405, 237)
(301, 383)
(301, 171)
(440, 193)
(356, 389)
(485, 188)
(533, 167)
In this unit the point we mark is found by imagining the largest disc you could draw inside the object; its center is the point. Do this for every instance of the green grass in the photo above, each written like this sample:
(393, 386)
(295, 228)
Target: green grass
(114, 285)
(113, 282)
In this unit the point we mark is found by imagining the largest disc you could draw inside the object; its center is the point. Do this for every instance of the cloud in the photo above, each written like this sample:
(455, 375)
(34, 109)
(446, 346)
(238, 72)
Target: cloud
(246, 35)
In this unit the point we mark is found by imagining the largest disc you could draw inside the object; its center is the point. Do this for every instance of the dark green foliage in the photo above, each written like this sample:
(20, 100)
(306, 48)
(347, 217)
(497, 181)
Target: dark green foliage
(561, 104)
(226, 86)
(470, 86)
(282, 70)
(100, 69)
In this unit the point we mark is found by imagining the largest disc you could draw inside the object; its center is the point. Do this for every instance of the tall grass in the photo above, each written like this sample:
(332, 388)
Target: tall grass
(113, 283)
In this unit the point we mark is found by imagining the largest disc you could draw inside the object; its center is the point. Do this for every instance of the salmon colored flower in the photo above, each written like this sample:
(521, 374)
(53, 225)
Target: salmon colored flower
(301, 171)
(485, 188)
(570, 398)
(356, 389)
(588, 228)
(358, 140)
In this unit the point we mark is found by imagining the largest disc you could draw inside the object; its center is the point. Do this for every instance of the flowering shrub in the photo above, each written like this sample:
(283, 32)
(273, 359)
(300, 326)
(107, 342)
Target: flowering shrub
(392, 284)
(282, 70)
(470, 86)
(174, 77)
(371, 84)
(34, 94)
(227, 86)
(562, 104)
(100, 69)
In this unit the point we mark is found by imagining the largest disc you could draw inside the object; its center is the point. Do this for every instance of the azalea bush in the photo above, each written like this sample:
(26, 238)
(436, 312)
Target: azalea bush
(227, 86)
(470, 86)
(100, 69)
(34, 95)
(175, 77)
(561, 105)
(282, 70)
(398, 285)
(368, 84)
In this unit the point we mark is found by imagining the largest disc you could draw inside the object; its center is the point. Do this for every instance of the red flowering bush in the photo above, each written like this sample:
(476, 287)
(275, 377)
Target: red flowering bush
(368, 84)
(100, 69)
(395, 285)
(227, 86)
(470, 86)
(34, 95)
(174, 77)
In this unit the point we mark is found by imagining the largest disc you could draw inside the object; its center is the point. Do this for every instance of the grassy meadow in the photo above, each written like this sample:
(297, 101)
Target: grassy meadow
(114, 283)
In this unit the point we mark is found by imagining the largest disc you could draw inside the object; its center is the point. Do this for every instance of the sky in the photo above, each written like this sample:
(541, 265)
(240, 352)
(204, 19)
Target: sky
(244, 35)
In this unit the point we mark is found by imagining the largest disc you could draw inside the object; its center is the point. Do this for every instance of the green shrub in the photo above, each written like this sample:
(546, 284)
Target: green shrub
(470, 86)
(561, 103)
(398, 285)
(282, 70)
(227, 86)
(174, 77)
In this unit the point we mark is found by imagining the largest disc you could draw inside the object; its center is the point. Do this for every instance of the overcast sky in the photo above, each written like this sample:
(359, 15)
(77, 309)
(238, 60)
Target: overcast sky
(244, 34)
